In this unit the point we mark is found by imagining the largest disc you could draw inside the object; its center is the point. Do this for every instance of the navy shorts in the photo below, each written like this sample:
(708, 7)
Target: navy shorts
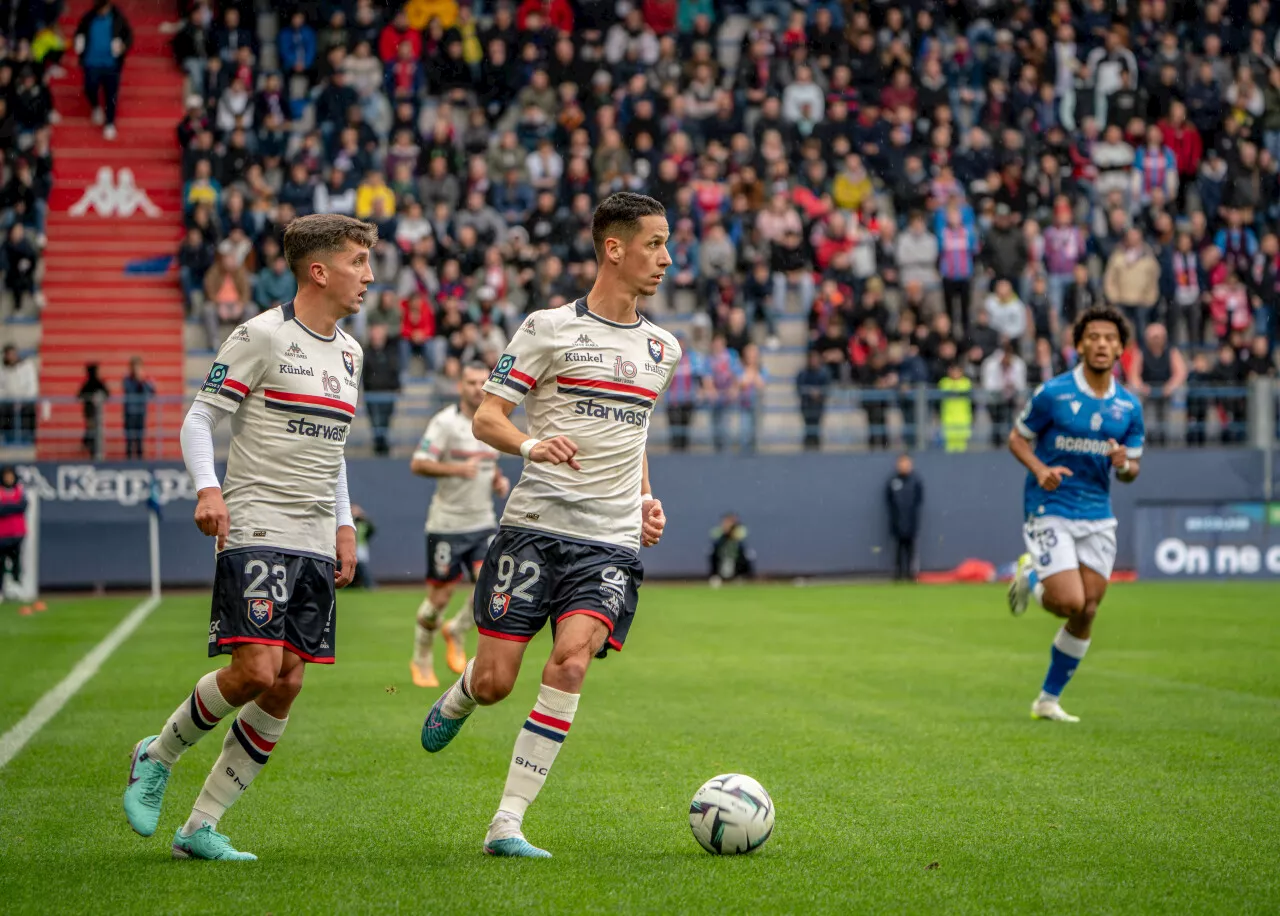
(275, 599)
(530, 577)
(452, 556)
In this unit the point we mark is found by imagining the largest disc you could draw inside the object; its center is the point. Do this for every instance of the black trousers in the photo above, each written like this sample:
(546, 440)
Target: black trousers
(679, 418)
(135, 430)
(904, 556)
(380, 419)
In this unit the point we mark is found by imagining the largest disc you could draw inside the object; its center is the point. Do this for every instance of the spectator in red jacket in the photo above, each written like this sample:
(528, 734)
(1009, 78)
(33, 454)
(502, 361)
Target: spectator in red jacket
(1181, 136)
(394, 32)
(556, 12)
(416, 328)
(660, 15)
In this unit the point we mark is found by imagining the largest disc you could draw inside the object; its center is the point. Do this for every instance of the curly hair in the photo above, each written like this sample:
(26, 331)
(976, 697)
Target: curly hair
(1100, 313)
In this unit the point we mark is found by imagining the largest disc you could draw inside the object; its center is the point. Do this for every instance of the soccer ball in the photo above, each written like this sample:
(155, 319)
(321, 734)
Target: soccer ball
(731, 814)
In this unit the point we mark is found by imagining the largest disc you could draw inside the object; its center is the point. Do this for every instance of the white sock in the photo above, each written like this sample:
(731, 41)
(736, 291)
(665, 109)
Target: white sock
(194, 718)
(245, 751)
(1071, 645)
(457, 701)
(536, 748)
(462, 621)
(428, 621)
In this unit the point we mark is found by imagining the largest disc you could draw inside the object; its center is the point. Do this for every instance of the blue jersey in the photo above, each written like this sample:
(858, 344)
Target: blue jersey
(1071, 426)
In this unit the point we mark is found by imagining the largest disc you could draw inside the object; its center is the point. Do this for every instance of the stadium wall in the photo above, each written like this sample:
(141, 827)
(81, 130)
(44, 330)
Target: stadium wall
(810, 514)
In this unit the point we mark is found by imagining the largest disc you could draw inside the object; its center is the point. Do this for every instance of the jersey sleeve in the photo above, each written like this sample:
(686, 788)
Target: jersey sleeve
(238, 368)
(435, 441)
(1136, 435)
(678, 354)
(526, 363)
(1036, 416)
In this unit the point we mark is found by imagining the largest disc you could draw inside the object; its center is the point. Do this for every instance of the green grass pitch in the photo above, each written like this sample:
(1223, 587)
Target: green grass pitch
(890, 725)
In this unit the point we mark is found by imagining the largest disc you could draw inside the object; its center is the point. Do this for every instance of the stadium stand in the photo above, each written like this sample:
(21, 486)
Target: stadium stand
(893, 189)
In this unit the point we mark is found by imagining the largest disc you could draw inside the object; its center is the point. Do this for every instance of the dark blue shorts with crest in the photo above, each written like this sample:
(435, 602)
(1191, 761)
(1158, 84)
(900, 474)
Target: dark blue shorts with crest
(530, 577)
(273, 598)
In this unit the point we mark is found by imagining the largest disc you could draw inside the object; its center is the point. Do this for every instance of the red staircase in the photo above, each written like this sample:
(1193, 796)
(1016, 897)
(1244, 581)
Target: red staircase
(95, 312)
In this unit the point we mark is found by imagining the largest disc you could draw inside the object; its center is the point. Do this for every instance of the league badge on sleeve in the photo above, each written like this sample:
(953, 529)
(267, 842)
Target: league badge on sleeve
(656, 350)
(503, 369)
(498, 604)
(213, 381)
(260, 610)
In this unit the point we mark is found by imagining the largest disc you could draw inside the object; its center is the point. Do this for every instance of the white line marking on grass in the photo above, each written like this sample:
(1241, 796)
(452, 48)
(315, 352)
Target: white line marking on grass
(49, 705)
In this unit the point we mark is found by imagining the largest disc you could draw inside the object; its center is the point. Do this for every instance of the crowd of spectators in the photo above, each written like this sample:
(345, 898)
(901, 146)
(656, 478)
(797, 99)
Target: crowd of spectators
(940, 186)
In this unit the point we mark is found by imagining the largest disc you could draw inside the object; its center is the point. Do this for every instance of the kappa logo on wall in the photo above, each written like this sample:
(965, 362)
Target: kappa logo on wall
(114, 194)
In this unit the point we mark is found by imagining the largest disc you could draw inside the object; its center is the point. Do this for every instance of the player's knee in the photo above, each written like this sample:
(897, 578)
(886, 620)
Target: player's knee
(489, 686)
(568, 667)
(289, 683)
(1087, 612)
(255, 677)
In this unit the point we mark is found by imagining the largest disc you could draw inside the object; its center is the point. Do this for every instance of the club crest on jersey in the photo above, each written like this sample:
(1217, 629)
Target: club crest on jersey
(260, 610)
(498, 604)
(656, 350)
(349, 362)
(1095, 422)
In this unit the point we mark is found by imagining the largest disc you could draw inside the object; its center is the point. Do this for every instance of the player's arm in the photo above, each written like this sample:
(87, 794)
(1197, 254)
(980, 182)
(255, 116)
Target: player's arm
(492, 425)
(237, 369)
(345, 538)
(427, 460)
(1033, 421)
(1127, 458)
(520, 369)
(652, 519)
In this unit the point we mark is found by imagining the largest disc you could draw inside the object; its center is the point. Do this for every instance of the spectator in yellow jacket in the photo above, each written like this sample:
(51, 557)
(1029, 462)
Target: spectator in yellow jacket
(421, 12)
(373, 189)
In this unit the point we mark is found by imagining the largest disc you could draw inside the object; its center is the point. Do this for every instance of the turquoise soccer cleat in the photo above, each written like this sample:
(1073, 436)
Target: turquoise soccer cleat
(145, 792)
(438, 730)
(207, 843)
(515, 847)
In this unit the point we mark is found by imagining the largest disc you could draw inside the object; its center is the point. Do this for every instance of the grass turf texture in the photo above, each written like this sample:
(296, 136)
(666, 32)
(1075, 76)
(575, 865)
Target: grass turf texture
(890, 726)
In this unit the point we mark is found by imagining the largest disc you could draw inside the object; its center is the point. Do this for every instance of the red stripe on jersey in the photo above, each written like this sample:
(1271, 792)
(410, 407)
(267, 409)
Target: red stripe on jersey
(261, 743)
(238, 387)
(292, 398)
(606, 386)
(523, 379)
(548, 720)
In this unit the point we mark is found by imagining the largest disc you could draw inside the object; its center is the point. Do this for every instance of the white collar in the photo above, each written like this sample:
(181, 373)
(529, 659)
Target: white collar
(1078, 374)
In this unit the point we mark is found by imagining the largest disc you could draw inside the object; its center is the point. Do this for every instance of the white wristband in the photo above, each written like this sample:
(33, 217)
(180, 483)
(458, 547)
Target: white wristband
(644, 496)
(527, 446)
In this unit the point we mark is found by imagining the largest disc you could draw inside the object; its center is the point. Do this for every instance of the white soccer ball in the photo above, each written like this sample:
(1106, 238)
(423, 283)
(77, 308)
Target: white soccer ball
(731, 814)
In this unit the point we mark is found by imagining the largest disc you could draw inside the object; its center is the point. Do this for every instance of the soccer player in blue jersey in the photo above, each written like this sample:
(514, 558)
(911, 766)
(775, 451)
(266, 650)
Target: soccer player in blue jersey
(1084, 427)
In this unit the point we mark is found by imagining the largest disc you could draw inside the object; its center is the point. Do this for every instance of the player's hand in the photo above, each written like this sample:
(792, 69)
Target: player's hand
(212, 517)
(1050, 478)
(652, 522)
(501, 486)
(469, 468)
(345, 570)
(556, 450)
(1117, 453)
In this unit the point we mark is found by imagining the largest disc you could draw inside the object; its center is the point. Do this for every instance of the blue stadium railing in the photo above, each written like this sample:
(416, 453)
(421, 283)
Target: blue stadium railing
(854, 418)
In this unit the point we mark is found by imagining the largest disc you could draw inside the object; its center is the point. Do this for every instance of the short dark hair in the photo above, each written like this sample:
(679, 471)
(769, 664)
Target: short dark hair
(324, 233)
(619, 215)
(1100, 313)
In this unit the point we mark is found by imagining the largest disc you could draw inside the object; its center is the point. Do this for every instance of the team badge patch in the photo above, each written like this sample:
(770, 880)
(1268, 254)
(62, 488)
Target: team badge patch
(260, 610)
(656, 350)
(503, 369)
(217, 375)
(349, 362)
(498, 604)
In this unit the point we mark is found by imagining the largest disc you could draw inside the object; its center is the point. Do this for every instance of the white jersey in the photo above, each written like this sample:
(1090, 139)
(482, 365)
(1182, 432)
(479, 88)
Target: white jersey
(292, 395)
(459, 506)
(595, 381)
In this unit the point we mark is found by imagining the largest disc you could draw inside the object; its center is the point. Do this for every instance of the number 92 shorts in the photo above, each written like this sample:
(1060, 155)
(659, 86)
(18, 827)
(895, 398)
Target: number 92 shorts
(530, 577)
(1059, 544)
(271, 598)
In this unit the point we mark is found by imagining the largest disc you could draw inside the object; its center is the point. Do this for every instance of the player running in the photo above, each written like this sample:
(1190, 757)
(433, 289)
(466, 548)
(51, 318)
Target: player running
(460, 522)
(588, 374)
(1084, 426)
(289, 378)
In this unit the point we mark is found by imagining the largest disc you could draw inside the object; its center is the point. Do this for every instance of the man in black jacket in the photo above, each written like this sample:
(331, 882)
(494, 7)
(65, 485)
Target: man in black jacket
(381, 381)
(905, 495)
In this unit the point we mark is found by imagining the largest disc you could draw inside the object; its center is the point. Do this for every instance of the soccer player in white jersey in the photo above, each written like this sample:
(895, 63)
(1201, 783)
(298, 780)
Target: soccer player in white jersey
(1085, 427)
(289, 379)
(460, 522)
(588, 374)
